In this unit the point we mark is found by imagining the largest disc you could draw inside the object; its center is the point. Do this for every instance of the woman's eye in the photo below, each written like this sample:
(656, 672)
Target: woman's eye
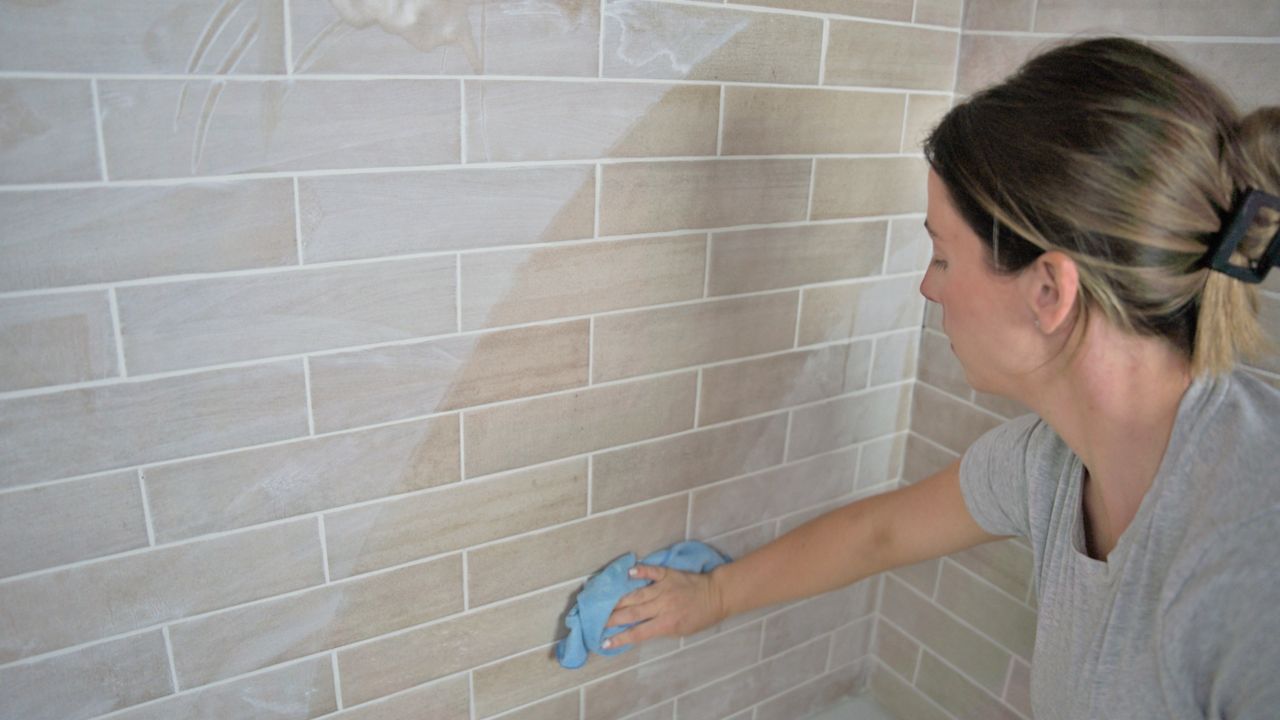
(939, 263)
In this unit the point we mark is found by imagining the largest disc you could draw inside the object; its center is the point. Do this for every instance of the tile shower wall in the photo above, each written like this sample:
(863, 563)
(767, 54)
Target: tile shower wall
(338, 344)
(954, 636)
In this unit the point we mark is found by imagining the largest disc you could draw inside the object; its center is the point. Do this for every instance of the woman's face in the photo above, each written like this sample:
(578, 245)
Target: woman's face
(983, 313)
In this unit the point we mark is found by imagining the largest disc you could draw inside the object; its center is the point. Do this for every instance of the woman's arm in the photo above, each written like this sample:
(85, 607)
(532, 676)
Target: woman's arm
(866, 537)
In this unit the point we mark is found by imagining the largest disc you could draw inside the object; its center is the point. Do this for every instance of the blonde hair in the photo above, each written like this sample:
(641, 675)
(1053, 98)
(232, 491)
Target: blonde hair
(1120, 157)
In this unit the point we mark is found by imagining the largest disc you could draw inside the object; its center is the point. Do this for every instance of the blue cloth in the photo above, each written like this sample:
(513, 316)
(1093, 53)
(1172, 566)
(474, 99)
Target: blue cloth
(603, 591)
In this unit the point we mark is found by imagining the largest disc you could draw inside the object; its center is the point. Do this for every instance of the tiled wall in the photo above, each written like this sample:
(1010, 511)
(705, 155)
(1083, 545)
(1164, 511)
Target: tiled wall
(337, 346)
(954, 636)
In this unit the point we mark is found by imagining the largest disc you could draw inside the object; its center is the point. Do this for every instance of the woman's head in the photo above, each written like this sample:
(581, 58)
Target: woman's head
(1113, 155)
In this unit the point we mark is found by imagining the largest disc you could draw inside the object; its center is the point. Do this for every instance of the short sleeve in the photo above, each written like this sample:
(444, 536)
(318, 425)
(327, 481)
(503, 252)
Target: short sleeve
(994, 478)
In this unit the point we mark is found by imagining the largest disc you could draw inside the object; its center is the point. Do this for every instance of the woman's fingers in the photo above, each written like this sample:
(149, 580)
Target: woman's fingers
(648, 572)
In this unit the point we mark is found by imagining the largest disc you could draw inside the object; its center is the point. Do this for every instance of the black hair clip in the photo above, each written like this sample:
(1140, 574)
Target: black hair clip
(1256, 271)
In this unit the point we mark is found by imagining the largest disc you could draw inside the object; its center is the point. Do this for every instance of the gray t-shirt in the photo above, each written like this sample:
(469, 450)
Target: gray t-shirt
(1183, 618)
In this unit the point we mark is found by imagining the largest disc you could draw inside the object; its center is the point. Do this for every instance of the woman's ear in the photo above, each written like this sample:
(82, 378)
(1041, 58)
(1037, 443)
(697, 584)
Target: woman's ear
(1052, 287)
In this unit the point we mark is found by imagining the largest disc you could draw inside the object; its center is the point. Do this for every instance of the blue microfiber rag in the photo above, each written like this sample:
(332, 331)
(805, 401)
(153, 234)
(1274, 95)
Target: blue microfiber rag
(603, 591)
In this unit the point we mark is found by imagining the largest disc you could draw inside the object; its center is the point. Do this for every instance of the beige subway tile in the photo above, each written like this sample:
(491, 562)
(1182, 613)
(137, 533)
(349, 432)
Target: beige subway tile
(259, 485)
(779, 381)
(519, 121)
(499, 37)
(982, 659)
(70, 237)
(646, 197)
(939, 12)
(939, 366)
(922, 576)
(803, 121)
(396, 662)
(1234, 66)
(299, 691)
(565, 706)
(389, 383)
(902, 699)
(661, 467)
(894, 56)
(56, 339)
(171, 128)
(649, 341)
(947, 421)
(179, 325)
(502, 437)
(526, 677)
(909, 246)
(957, 693)
(361, 216)
(748, 687)
(770, 494)
(141, 36)
(738, 543)
(518, 286)
(845, 421)
(880, 9)
(933, 316)
(448, 699)
(532, 561)
(817, 694)
(852, 642)
(237, 641)
(1012, 15)
(1165, 17)
(66, 607)
(87, 682)
(771, 258)
(671, 676)
(987, 59)
(923, 459)
(1002, 618)
(1000, 405)
(399, 530)
(895, 648)
(1018, 693)
(895, 358)
(57, 524)
(881, 461)
(49, 133)
(665, 711)
(652, 40)
(1007, 564)
(923, 114)
(813, 618)
(852, 187)
(45, 437)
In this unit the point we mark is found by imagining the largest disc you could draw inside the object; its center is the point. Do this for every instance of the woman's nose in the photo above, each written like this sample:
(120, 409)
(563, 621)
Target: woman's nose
(926, 287)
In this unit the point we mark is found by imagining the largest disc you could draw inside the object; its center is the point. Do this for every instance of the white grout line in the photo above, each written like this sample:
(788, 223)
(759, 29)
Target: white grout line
(706, 267)
(795, 342)
(591, 483)
(168, 649)
(906, 120)
(146, 509)
(306, 386)
(697, 399)
(297, 221)
(600, 42)
(813, 177)
(915, 10)
(822, 54)
(471, 694)
(786, 439)
(1008, 677)
(720, 125)
(462, 123)
(337, 680)
(97, 124)
(288, 41)
(466, 581)
(457, 291)
(462, 448)
(599, 173)
(1035, 8)
(888, 250)
(591, 350)
(324, 549)
(116, 327)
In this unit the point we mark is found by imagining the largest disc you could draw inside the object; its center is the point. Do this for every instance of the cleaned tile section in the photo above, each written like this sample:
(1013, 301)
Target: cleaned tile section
(845, 421)
(787, 121)
(87, 682)
(652, 40)
(448, 699)
(514, 121)
(56, 339)
(231, 643)
(903, 699)
(890, 56)
(163, 128)
(987, 59)
(49, 133)
(205, 322)
(399, 530)
(772, 258)
(923, 114)
(852, 642)
(947, 13)
(1014, 15)
(140, 36)
(1234, 67)
(46, 437)
(854, 187)
(1002, 618)
(1165, 17)
(754, 386)
(363, 216)
(66, 607)
(518, 286)
(499, 438)
(47, 526)
(896, 649)
(650, 341)
(1007, 564)
(255, 486)
(948, 421)
(811, 618)
(880, 9)
(954, 691)
(909, 246)
(496, 37)
(939, 366)
(816, 694)
(55, 238)
(527, 563)
(299, 691)
(390, 383)
(661, 467)
(748, 687)
(895, 357)
(836, 312)
(565, 706)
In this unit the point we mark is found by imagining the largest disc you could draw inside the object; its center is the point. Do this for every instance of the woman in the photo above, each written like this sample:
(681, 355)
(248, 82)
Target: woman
(1085, 262)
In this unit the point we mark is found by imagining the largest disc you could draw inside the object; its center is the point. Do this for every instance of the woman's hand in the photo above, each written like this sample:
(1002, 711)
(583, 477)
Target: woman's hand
(676, 603)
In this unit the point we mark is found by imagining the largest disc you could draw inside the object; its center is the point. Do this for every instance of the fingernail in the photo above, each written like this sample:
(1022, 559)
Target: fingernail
(632, 572)
(607, 644)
